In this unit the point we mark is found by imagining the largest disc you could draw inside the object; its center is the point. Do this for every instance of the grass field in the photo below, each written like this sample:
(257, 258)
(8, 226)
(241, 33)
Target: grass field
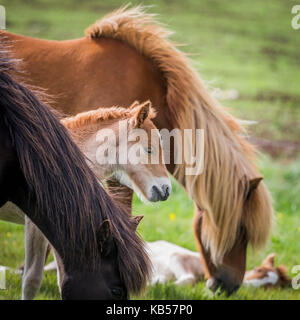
(245, 45)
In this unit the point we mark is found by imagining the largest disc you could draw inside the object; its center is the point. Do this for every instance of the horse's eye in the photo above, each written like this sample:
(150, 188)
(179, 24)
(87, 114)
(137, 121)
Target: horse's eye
(117, 292)
(149, 150)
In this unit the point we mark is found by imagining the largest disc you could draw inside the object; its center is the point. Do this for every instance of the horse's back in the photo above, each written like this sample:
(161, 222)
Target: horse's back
(84, 74)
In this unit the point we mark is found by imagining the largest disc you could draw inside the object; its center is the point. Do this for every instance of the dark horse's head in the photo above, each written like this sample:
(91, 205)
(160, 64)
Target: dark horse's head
(101, 281)
(42, 171)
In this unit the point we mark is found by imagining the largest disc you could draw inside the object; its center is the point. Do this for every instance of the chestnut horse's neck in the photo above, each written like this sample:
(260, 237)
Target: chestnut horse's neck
(45, 61)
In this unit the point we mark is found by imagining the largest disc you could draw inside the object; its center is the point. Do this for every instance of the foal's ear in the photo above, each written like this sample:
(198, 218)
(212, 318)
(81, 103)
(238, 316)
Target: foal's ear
(104, 235)
(141, 114)
(269, 261)
(253, 184)
(134, 105)
(137, 220)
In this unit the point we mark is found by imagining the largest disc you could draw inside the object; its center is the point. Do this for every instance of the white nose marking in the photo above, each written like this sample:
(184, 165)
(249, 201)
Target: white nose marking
(271, 278)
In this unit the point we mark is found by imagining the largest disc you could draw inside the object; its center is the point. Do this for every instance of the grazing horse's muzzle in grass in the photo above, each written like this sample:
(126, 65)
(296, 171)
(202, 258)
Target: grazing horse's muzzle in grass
(224, 282)
(100, 280)
(228, 274)
(91, 288)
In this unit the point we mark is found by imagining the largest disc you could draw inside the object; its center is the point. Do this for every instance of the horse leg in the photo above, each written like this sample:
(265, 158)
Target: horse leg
(35, 255)
(229, 274)
(121, 194)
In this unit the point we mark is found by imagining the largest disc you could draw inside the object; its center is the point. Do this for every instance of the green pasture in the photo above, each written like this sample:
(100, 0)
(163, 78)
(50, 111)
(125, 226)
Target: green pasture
(248, 46)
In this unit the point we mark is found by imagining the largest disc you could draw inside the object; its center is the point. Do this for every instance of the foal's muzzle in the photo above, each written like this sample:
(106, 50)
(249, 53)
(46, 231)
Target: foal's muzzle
(160, 194)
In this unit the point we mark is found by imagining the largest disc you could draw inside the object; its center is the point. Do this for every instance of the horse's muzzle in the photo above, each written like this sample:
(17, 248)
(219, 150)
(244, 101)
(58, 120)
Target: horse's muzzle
(224, 284)
(160, 194)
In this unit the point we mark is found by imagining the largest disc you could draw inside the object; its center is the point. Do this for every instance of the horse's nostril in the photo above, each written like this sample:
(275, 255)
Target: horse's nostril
(166, 191)
(160, 194)
(155, 194)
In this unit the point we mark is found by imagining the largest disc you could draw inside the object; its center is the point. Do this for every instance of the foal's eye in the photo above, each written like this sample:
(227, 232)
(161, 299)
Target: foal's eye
(117, 292)
(149, 150)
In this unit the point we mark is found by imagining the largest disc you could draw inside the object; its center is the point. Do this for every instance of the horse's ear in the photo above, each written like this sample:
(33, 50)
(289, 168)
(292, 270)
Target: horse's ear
(104, 235)
(134, 105)
(141, 114)
(269, 261)
(137, 220)
(253, 184)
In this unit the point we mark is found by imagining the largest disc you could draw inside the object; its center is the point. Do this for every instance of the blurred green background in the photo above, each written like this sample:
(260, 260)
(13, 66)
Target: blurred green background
(246, 47)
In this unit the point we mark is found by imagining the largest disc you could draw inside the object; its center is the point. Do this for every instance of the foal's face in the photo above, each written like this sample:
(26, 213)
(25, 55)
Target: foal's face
(102, 282)
(145, 172)
(134, 156)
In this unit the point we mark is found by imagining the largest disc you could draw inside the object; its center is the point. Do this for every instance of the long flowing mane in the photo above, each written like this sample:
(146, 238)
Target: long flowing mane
(220, 189)
(66, 190)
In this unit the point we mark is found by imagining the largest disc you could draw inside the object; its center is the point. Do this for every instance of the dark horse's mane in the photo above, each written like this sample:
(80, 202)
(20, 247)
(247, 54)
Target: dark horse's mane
(65, 188)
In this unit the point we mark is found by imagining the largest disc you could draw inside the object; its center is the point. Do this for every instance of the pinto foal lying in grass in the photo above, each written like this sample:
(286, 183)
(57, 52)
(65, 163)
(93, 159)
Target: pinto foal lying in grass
(174, 263)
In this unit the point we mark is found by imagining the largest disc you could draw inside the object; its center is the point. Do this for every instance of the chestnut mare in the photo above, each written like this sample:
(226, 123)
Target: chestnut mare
(127, 56)
(44, 173)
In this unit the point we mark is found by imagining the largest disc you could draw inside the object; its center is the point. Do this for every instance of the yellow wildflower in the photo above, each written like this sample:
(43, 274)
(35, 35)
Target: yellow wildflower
(172, 216)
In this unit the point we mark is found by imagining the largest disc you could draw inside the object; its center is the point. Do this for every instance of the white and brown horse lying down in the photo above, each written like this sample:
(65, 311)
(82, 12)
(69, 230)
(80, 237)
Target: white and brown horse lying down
(149, 181)
(174, 263)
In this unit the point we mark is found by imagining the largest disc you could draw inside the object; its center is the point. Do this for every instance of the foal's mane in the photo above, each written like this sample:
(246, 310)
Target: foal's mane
(66, 190)
(219, 191)
(103, 114)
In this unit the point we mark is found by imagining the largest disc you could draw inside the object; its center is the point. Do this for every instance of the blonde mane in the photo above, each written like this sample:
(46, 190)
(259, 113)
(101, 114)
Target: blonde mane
(103, 114)
(220, 189)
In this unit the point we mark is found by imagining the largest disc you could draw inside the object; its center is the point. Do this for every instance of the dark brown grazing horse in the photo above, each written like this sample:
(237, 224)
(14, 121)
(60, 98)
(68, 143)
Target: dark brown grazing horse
(43, 172)
(127, 56)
